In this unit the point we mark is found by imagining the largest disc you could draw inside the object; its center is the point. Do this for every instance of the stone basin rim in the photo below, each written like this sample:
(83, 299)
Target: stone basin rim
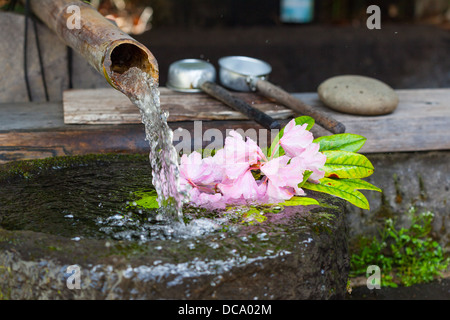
(141, 266)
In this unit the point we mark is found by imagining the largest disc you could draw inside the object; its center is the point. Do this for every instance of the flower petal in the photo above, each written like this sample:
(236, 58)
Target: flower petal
(295, 139)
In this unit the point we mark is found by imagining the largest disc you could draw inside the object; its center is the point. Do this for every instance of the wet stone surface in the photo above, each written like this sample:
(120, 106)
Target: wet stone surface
(409, 180)
(296, 253)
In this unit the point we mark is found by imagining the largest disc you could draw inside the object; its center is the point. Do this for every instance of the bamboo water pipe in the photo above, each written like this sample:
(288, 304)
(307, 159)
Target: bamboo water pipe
(108, 49)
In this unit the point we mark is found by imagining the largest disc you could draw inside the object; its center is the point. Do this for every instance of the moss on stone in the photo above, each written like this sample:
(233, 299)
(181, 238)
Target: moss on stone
(29, 168)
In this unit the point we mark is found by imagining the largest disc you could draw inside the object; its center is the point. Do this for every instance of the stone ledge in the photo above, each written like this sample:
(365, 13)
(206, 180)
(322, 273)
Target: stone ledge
(415, 179)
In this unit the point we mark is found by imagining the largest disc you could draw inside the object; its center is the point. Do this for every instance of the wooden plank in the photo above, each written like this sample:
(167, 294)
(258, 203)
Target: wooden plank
(421, 123)
(71, 140)
(27, 115)
(108, 106)
(87, 139)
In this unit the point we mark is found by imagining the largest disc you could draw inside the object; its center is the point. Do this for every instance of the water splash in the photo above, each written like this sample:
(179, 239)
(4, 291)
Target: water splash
(143, 91)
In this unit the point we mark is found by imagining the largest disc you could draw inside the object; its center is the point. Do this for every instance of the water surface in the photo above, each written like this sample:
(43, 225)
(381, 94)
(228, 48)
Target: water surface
(96, 199)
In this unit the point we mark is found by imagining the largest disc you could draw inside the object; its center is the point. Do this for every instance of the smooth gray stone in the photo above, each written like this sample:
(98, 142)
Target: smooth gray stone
(358, 95)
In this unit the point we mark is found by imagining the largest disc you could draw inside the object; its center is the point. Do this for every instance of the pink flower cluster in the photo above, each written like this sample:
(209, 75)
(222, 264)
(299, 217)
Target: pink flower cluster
(228, 178)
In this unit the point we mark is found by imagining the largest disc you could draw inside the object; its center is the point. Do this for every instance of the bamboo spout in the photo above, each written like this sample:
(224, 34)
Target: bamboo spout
(108, 49)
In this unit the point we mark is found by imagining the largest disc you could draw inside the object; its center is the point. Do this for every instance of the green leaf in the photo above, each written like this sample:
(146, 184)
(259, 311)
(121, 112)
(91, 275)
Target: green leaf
(347, 165)
(299, 201)
(298, 121)
(341, 190)
(344, 141)
(306, 176)
(358, 184)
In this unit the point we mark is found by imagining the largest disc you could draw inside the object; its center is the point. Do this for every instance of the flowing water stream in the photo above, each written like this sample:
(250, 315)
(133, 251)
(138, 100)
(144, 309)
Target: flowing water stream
(143, 91)
(91, 202)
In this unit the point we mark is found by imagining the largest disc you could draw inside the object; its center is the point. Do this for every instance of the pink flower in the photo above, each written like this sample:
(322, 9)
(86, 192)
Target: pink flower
(238, 155)
(228, 178)
(207, 200)
(227, 165)
(239, 151)
(283, 175)
(237, 158)
(243, 188)
(199, 178)
(313, 160)
(193, 169)
(295, 138)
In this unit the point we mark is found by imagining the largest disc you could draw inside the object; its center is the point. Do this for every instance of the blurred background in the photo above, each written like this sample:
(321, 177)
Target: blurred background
(305, 41)
(138, 16)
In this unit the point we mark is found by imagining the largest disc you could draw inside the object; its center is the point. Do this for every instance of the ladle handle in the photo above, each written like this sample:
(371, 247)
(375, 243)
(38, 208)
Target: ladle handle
(271, 91)
(237, 104)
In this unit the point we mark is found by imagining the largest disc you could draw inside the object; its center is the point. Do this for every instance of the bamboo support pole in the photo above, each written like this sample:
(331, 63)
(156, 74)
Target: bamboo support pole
(108, 49)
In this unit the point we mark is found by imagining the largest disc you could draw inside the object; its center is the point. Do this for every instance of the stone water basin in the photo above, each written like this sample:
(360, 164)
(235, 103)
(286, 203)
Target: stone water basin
(81, 211)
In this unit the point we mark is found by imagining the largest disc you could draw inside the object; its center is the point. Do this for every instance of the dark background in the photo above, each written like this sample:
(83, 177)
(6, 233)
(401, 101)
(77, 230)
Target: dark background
(410, 51)
(232, 13)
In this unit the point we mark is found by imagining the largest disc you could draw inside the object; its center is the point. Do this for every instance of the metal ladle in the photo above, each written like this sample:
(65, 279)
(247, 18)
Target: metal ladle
(195, 75)
(248, 74)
